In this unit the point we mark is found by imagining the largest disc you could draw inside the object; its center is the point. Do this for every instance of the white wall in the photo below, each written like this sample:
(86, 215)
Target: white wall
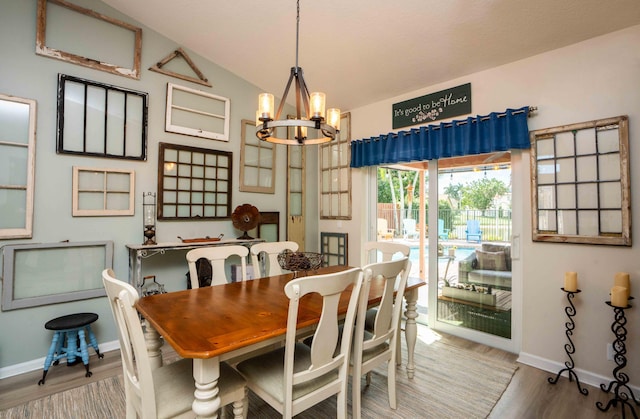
(586, 81)
(23, 338)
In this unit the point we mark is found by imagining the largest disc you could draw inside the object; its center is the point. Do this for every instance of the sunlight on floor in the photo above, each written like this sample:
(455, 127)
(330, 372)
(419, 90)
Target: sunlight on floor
(427, 335)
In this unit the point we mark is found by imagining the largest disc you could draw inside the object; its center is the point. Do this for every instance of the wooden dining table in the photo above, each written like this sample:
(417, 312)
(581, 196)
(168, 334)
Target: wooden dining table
(231, 321)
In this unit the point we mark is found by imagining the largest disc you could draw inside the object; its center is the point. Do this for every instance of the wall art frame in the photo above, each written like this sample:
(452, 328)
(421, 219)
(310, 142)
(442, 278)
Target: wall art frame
(118, 27)
(101, 120)
(197, 113)
(335, 174)
(17, 166)
(194, 183)
(103, 192)
(257, 161)
(580, 183)
(37, 274)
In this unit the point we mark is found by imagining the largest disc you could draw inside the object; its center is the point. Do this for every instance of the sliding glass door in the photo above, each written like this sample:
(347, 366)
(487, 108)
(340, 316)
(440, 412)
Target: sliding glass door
(474, 249)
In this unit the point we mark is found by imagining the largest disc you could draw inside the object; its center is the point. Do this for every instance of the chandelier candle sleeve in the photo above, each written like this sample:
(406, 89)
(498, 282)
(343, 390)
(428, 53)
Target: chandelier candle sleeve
(317, 102)
(571, 281)
(333, 118)
(619, 296)
(621, 279)
(265, 105)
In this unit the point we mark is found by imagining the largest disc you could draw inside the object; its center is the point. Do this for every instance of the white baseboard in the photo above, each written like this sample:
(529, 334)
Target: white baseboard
(37, 364)
(586, 377)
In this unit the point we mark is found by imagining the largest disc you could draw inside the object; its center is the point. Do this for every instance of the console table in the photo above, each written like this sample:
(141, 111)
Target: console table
(138, 252)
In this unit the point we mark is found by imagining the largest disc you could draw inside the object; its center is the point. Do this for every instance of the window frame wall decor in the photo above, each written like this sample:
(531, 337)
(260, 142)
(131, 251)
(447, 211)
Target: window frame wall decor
(580, 183)
(103, 192)
(105, 109)
(194, 103)
(257, 161)
(335, 174)
(88, 30)
(17, 172)
(36, 274)
(194, 183)
(334, 248)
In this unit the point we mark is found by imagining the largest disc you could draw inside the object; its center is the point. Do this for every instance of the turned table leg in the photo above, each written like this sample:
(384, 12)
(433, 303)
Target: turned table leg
(411, 329)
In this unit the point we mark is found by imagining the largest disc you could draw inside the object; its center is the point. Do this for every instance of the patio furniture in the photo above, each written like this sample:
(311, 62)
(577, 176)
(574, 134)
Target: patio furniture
(489, 266)
(409, 229)
(473, 231)
(384, 232)
(443, 233)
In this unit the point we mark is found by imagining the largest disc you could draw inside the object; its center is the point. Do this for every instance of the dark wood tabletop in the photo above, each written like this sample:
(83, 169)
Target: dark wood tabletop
(212, 321)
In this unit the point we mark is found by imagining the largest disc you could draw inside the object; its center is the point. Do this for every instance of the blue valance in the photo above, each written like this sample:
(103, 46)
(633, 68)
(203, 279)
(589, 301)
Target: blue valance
(498, 131)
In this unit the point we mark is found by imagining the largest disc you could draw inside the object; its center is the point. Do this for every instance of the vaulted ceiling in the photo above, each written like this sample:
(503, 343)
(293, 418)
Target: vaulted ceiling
(362, 51)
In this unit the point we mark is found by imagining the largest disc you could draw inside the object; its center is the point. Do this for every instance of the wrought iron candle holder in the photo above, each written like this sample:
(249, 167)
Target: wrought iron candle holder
(149, 217)
(620, 387)
(569, 347)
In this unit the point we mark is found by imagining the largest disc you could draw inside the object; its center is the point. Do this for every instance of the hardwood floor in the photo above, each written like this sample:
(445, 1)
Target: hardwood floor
(529, 395)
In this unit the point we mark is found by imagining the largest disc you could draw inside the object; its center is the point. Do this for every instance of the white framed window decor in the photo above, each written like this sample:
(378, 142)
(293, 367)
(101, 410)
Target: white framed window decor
(103, 192)
(197, 113)
(17, 166)
(580, 183)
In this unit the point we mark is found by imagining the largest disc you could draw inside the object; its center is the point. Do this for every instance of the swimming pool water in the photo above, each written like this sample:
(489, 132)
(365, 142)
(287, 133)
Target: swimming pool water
(461, 253)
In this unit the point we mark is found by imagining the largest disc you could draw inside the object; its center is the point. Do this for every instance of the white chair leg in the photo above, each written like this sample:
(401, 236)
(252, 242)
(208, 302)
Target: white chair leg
(391, 383)
(342, 405)
(356, 395)
(399, 343)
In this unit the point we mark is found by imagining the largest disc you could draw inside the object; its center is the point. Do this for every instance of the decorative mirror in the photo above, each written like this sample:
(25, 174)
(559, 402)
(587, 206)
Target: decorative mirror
(580, 183)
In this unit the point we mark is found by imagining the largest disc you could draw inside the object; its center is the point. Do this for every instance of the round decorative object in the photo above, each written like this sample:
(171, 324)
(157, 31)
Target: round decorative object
(299, 261)
(245, 217)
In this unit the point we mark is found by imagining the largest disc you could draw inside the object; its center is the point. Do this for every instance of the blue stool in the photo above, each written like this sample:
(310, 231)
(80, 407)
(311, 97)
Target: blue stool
(71, 329)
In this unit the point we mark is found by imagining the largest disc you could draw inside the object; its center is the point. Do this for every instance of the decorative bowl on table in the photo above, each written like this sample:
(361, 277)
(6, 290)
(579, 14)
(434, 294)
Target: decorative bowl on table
(299, 261)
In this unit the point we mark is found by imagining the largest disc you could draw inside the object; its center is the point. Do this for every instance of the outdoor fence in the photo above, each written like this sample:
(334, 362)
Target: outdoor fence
(495, 224)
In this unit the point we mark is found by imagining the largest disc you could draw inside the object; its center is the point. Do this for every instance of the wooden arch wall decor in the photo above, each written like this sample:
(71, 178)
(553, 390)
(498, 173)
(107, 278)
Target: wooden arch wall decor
(180, 53)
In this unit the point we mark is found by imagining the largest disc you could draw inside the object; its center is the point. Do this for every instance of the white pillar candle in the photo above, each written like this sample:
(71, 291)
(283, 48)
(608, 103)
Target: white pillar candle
(619, 296)
(571, 281)
(621, 279)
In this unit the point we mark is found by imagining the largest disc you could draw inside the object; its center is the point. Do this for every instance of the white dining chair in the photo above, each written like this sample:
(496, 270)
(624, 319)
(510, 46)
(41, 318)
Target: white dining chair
(264, 257)
(217, 256)
(387, 251)
(372, 349)
(167, 391)
(296, 377)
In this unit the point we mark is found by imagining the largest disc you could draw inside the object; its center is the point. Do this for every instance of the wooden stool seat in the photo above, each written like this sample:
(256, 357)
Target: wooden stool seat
(71, 329)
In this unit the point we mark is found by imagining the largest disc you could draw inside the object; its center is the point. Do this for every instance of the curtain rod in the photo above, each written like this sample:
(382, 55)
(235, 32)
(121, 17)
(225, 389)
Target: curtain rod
(529, 111)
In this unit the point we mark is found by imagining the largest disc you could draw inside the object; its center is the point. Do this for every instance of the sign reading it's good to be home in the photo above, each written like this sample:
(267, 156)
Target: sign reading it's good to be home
(432, 107)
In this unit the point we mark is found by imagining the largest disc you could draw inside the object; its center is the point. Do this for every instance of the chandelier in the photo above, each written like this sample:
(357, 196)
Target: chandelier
(313, 105)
